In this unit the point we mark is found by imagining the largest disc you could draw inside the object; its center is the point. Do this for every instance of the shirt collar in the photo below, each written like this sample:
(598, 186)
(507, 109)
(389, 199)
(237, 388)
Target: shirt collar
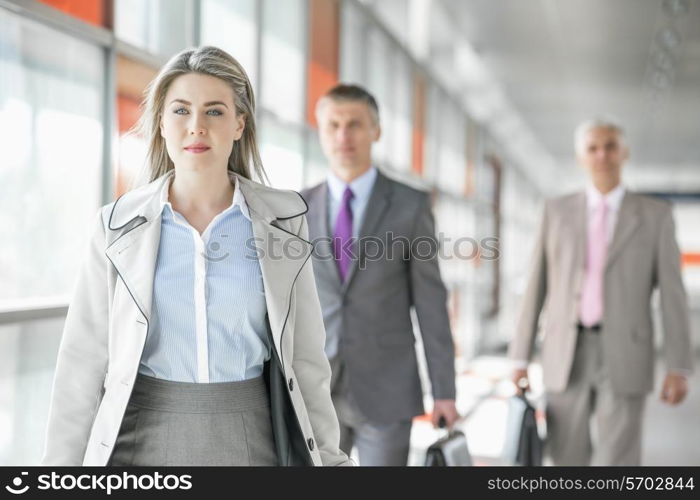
(360, 186)
(238, 198)
(613, 199)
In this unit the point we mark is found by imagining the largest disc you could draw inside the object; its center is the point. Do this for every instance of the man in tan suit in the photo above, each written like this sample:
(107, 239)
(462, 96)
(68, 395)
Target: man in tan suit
(599, 256)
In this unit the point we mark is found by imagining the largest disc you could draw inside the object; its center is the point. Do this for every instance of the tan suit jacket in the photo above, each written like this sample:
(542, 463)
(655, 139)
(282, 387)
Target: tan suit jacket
(642, 256)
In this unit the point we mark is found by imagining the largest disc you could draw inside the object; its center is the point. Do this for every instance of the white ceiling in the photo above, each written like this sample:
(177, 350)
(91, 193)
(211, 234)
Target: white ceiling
(559, 62)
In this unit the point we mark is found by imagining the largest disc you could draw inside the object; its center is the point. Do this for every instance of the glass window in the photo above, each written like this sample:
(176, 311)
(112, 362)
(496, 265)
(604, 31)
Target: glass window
(401, 128)
(452, 148)
(316, 163)
(431, 148)
(28, 353)
(51, 130)
(379, 83)
(158, 26)
(132, 79)
(283, 49)
(394, 15)
(486, 181)
(281, 149)
(352, 44)
(231, 25)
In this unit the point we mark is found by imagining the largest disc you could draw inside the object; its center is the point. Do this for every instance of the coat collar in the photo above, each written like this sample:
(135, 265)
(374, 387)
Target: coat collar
(145, 202)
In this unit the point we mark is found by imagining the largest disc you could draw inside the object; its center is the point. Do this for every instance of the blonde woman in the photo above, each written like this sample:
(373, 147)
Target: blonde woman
(195, 335)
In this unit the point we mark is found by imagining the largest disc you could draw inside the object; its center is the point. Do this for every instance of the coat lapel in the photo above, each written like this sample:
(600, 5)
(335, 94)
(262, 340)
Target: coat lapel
(133, 251)
(134, 256)
(627, 224)
(281, 254)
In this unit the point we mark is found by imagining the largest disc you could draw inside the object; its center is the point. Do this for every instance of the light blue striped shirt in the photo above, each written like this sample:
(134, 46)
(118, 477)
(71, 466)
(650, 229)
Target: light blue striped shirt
(208, 313)
(361, 188)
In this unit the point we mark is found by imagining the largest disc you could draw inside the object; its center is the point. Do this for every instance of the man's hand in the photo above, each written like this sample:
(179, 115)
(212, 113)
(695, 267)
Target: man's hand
(519, 378)
(445, 408)
(674, 389)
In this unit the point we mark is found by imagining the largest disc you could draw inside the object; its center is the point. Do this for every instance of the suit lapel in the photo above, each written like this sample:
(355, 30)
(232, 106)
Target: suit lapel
(580, 228)
(627, 224)
(377, 205)
(318, 220)
(581, 223)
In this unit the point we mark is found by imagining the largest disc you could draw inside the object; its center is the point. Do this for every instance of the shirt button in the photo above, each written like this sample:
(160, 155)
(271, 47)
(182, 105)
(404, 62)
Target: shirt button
(291, 385)
(311, 444)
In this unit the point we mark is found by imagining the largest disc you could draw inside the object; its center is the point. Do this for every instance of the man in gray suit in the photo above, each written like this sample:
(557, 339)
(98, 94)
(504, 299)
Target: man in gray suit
(375, 257)
(599, 256)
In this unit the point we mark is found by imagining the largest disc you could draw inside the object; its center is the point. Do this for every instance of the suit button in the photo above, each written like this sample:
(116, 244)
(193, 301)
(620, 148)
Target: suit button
(311, 444)
(291, 385)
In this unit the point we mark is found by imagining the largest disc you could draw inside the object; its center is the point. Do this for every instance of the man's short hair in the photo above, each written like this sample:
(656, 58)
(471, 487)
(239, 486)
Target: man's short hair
(584, 127)
(350, 92)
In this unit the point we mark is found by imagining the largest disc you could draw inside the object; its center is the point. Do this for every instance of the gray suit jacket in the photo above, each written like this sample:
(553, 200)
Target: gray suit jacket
(369, 314)
(642, 256)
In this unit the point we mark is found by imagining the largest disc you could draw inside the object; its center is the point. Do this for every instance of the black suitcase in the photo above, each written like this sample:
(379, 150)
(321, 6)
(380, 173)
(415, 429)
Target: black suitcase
(523, 443)
(449, 451)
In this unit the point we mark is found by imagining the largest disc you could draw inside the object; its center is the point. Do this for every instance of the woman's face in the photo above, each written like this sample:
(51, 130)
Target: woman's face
(199, 122)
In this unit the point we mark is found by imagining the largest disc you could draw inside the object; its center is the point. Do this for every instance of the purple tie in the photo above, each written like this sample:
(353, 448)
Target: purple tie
(343, 234)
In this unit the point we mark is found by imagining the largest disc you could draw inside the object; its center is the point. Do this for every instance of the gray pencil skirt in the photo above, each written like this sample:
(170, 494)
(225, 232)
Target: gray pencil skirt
(181, 423)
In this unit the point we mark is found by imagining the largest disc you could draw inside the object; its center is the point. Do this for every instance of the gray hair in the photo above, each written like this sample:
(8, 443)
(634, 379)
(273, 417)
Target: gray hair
(212, 61)
(606, 122)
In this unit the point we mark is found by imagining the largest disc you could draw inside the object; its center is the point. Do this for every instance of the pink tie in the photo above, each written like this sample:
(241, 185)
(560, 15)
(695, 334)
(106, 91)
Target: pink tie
(592, 296)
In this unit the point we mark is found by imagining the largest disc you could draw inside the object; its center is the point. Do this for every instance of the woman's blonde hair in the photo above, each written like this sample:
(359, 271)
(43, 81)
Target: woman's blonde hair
(210, 61)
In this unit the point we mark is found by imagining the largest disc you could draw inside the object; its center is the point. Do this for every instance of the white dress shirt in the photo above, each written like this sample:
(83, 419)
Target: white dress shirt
(361, 188)
(208, 317)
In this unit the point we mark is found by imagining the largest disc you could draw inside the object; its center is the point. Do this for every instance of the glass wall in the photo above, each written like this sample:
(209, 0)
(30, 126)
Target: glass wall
(130, 165)
(51, 133)
(160, 27)
(282, 154)
(283, 59)
(28, 353)
(70, 95)
(220, 19)
(353, 40)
